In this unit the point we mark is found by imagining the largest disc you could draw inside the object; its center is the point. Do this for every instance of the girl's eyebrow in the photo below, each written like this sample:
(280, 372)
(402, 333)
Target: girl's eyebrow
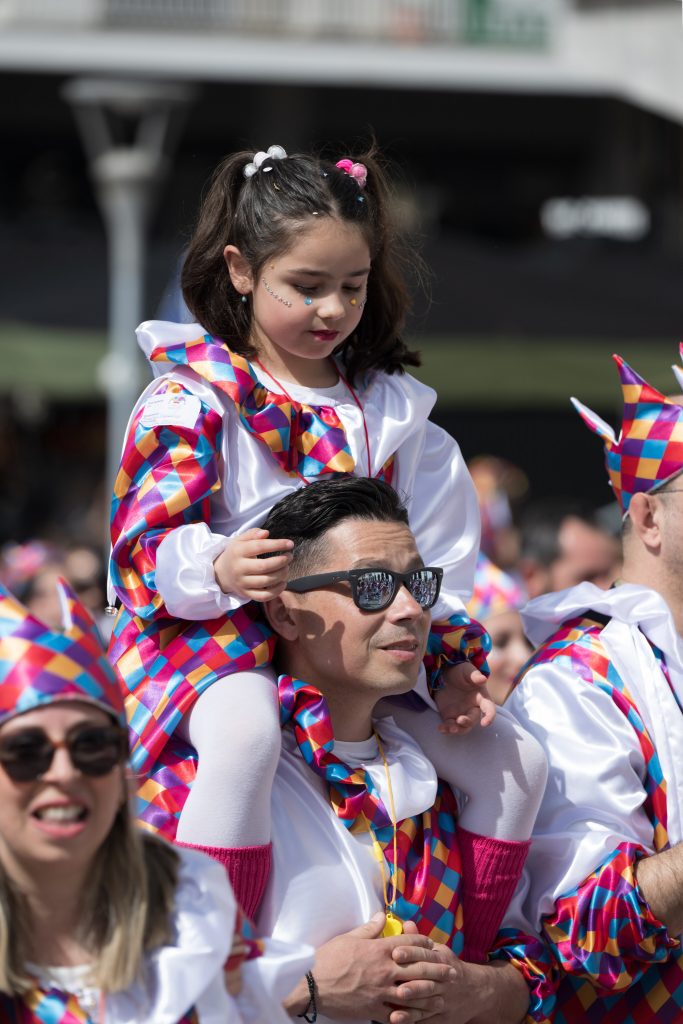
(322, 273)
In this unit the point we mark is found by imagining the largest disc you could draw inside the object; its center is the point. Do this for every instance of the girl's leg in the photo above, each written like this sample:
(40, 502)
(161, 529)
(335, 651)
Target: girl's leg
(501, 772)
(235, 728)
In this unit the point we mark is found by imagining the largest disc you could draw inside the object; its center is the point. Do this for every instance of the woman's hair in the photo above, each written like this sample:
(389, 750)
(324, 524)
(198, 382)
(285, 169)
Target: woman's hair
(127, 910)
(263, 215)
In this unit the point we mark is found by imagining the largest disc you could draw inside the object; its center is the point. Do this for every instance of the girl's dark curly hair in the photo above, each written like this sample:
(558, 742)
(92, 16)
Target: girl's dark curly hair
(263, 215)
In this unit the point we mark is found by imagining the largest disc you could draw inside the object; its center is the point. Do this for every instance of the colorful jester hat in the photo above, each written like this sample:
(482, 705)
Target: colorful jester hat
(39, 665)
(649, 450)
(494, 591)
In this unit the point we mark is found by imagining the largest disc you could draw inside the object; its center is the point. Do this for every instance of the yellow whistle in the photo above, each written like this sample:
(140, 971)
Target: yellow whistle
(393, 926)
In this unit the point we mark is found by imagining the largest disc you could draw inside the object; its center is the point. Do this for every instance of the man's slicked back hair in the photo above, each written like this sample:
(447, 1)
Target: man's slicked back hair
(306, 515)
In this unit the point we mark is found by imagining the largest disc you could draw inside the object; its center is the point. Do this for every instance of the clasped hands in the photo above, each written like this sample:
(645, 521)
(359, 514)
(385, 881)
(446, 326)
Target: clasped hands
(398, 980)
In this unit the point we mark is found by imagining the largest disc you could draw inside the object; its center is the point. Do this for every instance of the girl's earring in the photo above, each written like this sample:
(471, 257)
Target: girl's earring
(244, 299)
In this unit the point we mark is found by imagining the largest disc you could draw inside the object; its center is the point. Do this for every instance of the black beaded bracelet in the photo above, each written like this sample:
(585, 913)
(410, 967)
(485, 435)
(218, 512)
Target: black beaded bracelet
(310, 1014)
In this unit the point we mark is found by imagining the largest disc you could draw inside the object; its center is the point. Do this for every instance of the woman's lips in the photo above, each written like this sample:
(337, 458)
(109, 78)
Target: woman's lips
(61, 821)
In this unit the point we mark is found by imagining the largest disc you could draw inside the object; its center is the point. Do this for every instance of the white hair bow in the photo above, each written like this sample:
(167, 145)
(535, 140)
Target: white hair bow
(274, 153)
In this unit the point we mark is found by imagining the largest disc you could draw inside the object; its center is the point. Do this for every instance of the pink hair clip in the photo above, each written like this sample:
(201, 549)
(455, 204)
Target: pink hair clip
(357, 171)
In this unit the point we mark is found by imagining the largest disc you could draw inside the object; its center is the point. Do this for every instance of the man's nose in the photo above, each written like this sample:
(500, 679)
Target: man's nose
(404, 605)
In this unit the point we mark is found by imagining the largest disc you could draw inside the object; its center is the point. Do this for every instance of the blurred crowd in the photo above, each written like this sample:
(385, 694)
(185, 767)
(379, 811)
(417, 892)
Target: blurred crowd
(30, 570)
(531, 547)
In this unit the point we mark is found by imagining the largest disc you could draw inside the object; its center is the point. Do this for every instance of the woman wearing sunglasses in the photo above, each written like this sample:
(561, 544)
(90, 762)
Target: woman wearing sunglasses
(99, 922)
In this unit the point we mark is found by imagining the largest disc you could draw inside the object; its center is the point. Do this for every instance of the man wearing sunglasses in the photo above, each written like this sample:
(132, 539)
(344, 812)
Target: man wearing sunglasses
(604, 693)
(366, 863)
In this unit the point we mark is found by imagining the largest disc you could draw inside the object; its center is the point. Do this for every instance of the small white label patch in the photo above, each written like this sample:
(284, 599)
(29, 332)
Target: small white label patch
(171, 410)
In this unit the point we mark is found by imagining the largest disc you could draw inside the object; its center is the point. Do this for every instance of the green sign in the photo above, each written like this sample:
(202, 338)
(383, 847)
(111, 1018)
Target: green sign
(517, 23)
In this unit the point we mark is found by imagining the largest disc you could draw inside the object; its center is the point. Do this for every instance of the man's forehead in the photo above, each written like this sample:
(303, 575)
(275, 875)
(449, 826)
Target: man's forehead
(356, 542)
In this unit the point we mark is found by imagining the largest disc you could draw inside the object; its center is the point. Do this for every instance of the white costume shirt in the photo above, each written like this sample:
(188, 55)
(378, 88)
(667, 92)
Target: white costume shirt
(326, 880)
(189, 972)
(595, 793)
(429, 471)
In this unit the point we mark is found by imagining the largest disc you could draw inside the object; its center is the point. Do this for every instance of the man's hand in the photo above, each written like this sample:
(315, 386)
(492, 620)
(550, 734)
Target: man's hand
(470, 994)
(239, 569)
(463, 700)
(356, 975)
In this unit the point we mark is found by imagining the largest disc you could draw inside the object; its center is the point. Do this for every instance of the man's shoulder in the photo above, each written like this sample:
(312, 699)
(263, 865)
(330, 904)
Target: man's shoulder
(577, 647)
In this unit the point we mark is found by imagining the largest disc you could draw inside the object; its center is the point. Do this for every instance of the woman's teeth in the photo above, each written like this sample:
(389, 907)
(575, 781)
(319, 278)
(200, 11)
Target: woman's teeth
(70, 812)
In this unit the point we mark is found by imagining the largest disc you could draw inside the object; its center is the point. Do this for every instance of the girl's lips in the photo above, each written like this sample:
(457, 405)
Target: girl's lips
(325, 335)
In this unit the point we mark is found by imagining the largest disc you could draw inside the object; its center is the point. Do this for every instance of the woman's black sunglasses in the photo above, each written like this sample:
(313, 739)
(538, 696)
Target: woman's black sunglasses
(94, 750)
(374, 589)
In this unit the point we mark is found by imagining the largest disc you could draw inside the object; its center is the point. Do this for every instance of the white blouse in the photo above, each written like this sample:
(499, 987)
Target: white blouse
(429, 472)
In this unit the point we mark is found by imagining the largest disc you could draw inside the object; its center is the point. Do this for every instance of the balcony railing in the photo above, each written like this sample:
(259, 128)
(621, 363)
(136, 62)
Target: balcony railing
(500, 22)
(603, 5)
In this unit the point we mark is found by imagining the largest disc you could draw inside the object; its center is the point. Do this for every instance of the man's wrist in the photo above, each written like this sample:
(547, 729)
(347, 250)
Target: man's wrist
(298, 999)
(499, 992)
(659, 881)
(310, 1013)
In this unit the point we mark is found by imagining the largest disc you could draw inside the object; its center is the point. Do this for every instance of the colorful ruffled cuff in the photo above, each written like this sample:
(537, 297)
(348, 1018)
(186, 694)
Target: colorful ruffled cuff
(453, 641)
(533, 957)
(604, 930)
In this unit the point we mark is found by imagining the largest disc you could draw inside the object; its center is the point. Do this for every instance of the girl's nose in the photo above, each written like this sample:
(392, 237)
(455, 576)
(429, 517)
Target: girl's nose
(331, 307)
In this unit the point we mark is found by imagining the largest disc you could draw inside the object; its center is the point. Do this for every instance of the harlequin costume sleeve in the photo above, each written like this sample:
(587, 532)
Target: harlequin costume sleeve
(169, 470)
(601, 947)
(602, 696)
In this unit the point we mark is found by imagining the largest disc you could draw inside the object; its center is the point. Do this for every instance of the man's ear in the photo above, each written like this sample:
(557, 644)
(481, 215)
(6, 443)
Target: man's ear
(281, 615)
(645, 511)
(239, 270)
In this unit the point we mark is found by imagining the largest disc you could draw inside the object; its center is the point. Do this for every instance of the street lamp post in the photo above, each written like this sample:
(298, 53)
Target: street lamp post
(127, 176)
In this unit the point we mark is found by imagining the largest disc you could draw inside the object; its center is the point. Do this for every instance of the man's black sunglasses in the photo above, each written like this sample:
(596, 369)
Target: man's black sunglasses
(375, 589)
(94, 750)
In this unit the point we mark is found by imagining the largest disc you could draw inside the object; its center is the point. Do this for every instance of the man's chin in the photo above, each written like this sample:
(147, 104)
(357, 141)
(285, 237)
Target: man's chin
(394, 684)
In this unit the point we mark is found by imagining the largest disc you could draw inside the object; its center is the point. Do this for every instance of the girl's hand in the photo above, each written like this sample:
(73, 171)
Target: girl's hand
(239, 569)
(463, 700)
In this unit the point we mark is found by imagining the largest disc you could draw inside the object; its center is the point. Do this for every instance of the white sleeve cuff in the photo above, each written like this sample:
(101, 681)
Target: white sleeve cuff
(185, 576)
